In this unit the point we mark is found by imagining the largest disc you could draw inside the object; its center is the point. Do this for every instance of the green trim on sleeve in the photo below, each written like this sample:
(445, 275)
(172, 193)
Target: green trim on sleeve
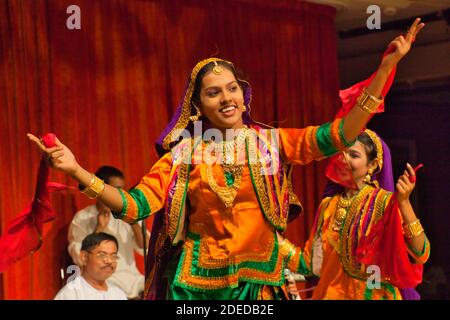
(141, 202)
(119, 215)
(324, 140)
(417, 253)
(302, 268)
(342, 137)
(288, 258)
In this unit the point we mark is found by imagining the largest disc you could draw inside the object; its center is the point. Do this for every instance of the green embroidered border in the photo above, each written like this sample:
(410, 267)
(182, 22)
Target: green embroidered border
(120, 215)
(324, 140)
(302, 268)
(268, 266)
(141, 202)
(195, 251)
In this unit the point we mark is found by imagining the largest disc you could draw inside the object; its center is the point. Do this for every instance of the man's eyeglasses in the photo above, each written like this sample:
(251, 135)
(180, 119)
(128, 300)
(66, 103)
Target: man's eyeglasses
(102, 256)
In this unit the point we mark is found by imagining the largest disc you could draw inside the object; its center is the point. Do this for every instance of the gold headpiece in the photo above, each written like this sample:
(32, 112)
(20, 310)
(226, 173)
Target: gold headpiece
(373, 136)
(217, 69)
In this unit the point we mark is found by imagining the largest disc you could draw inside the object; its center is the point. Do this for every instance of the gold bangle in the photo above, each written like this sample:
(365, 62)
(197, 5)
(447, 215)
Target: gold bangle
(95, 188)
(368, 102)
(413, 229)
(286, 248)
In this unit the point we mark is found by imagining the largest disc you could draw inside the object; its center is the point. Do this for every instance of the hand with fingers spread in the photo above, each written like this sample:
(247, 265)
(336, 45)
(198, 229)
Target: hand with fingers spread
(357, 112)
(405, 184)
(60, 157)
(401, 45)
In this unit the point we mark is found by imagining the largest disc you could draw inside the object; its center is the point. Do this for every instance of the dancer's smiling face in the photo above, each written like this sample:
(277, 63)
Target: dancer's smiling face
(221, 99)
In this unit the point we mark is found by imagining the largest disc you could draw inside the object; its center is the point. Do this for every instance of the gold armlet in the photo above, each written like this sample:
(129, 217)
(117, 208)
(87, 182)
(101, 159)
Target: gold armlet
(413, 229)
(368, 102)
(286, 248)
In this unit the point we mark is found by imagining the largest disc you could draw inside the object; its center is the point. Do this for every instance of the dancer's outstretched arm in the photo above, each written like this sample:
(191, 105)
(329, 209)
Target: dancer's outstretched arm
(357, 118)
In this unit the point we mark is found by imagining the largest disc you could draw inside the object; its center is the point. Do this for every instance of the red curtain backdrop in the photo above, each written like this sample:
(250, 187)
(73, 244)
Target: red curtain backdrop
(108, 90)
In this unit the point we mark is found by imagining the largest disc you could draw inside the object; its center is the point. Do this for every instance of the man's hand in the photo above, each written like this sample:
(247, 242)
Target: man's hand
(102, 221)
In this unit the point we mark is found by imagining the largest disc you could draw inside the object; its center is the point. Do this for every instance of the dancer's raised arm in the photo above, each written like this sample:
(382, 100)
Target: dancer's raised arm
(357, 118)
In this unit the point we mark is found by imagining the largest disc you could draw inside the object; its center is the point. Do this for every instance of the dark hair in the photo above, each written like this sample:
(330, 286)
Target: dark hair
(203, 71)
(94, 239)
(369, 146)
(107, 172)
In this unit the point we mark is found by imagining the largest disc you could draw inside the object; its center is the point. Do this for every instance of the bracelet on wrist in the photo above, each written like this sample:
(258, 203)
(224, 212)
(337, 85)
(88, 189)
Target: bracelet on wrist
(95, 188)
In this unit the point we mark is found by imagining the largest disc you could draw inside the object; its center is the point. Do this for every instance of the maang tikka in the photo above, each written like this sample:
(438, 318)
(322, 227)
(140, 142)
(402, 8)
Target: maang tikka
(217, 69)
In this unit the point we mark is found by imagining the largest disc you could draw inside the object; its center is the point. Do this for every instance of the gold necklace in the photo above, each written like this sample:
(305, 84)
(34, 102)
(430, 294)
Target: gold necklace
(341, 212)
(232, 171)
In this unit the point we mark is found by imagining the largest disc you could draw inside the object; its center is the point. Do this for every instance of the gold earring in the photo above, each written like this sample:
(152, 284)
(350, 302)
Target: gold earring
(197, 116)
(368, 177)
(244, 108)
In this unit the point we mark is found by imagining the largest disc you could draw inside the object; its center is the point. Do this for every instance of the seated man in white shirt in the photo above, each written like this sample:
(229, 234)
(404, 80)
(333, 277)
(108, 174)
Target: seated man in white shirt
(98, 218)
(99, 259)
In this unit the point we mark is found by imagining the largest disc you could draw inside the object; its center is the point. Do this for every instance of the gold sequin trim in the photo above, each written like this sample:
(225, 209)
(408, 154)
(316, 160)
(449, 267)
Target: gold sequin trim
(187, 279)
(259, 174)
(175, 208)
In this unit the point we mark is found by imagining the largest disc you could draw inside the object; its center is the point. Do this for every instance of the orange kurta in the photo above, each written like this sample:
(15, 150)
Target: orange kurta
(224, 247)
(229, 238)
